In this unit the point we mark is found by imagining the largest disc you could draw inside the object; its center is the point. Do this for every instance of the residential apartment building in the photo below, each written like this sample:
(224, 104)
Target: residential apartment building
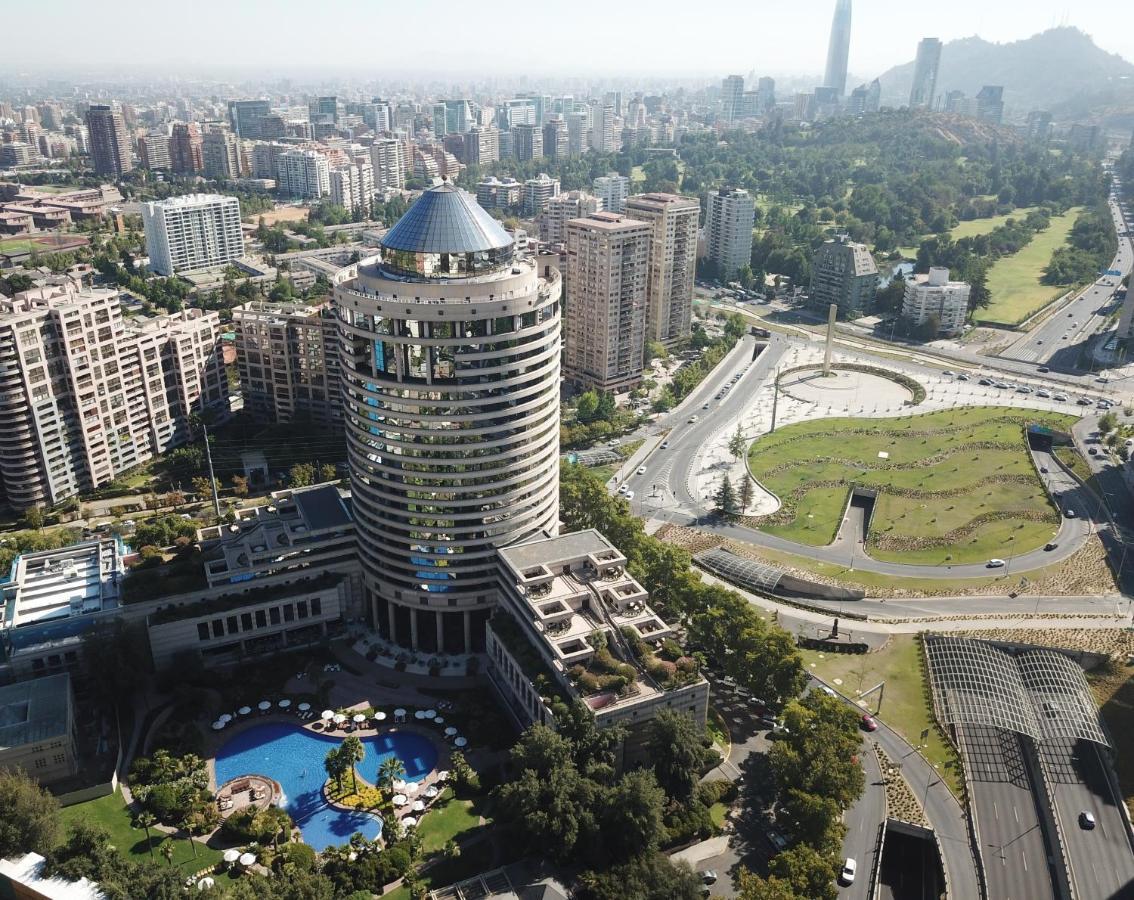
(220, 155)
(186, 149)
(729, 219)
(303, 174)
(87, 394)
(153, 152)
(527, 142)
(673, 262)
(556, 141)
(612, 189)
(266, 159)
(537, 191)
(578, 133)
(558, 210)
(602, 128)
(192, 231)
(935, 297)
(556, 594)
(494, 193)
(607, 274)
(925, 73)
(109, 141)
(352, 187)
(389, 165)
(482, 145)
(288, 359)
(843, 273)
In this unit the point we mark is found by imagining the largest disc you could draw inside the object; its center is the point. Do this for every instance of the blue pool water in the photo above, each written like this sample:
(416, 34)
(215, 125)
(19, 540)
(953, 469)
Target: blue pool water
(294, 757)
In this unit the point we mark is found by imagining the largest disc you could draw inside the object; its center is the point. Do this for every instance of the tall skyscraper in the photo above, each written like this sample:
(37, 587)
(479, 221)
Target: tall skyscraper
(109, 142)
(220, 152)
(925, 73)
(602, 128)
(607, 268)
(389, 165)
(612, 189)
(766, 94)
(728, 227)
(186, 149)
(304, 174)
(527, 142)
(838, 50)
(732, 90)
(555, 139)
(192, 231)
(450, 368)
(990, 103)
(245, 117)
(673, 262)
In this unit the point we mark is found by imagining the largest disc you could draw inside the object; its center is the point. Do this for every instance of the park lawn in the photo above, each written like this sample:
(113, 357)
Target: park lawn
(19, 245)
(447, 820)
(817, 517)
(1007, 537)
(1014, 281)
(110, 812)
(975, 227)
(905, 698)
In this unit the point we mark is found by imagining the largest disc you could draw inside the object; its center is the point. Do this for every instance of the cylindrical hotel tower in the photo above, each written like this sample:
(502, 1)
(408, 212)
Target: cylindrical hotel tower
(450, 373)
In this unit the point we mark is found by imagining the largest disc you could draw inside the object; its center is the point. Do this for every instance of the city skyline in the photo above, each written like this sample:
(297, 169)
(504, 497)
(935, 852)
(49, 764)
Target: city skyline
(790, 44)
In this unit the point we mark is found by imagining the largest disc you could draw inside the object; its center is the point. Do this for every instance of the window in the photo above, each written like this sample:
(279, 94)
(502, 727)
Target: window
(301, 606)
(316, 606)
(232, 626)
(289, 613)
(246, 621)
(59, 759)
(274, 615)
(40, 762)
(202, 631)
(261, 619)
(218, 628)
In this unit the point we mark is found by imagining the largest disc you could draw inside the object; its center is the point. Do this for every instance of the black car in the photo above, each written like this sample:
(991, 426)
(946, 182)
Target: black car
(985, 381)
(1050, 545)
(1043, 369)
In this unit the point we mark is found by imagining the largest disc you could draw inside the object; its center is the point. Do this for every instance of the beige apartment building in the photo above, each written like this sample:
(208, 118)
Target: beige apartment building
(673, 262)
(607, 269)
(86, 393)
(288, 358)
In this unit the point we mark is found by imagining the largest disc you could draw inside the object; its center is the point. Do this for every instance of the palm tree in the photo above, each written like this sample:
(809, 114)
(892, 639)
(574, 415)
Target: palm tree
(191, 826)
(389, 771)
(166, 850)
(280, 823)
(145, 819)
(335, 766)
(352, 753)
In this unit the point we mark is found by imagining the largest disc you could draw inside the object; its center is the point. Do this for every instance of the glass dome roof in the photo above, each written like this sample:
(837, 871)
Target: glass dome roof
(446, 219)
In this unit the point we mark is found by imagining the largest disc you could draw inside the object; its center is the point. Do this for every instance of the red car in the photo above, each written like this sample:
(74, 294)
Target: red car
(868, 723)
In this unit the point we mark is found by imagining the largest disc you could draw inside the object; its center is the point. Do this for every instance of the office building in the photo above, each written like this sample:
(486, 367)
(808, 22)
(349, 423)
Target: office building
(17, 153)
(192, 231)
(352, 187)
(925, 73)
(482, 146)
(934, 297)
(494, 193)
(578, 133)
(303, 174)
(450, 371)
(537, 191)
(838, 50)
(452, 117)
(732, 91)
(220, 151)
(527, 142)
(990, 103)
(519, 111)
(602, 128)
(607, 273)
(153, 152)
(673, 221)
(288, 358)
(86, 393)
(766, 94)
(1039, 125)
(186, 150)
(37, 728)
(866, 98)
(556, 594)
(843, 273)
(247, 118)
(389, 165)
(559, 210)
(612, 189)
(109, 141)
(729, 218)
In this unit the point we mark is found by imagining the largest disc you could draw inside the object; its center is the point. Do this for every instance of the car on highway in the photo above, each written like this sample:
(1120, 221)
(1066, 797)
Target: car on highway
(1043, 470)
(1023, 389)
(962, 377)
(1000, 385)
(1070, 315)
(995, 564)
(1085, 401)
(1042, 393)
(1043, 369)
(1070, 513)
(641, 470)
(1062, 398)
(1050, 545)
(623, 490)
(629, 495)
(692, 419)
(705, 405)
(985, 381)
(949, 372)
(1086, 820)
(665, 445)
(869, 723)
(846, 874)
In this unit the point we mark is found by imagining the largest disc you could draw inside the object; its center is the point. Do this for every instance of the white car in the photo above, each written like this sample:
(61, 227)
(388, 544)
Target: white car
(641, 470)
(846, 875)
(996, 563)
(629, 495)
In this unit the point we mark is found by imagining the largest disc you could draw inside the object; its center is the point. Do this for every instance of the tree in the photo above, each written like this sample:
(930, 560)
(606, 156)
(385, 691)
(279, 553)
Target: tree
(452, 849)
(274, 823)
(327, 472)
(737, 445)
(631, 822)
(240, 485)
(650, 876)
(336, 766)
(33, 517)
(352, 753)
(29, 815)
(677, 749)
(301, 475)
(541, 750)
(389, 771)
(144, 820)
(745, 494)
(166, 850)
(724, 501)
(203, 486)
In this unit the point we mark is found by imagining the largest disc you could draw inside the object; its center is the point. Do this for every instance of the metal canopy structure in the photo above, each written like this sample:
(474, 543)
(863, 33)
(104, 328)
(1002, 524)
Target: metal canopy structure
(1040, 693)
(742, 572)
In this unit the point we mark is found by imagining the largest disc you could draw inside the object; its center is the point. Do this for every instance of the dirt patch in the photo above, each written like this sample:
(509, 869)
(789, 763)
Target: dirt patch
(282, 214)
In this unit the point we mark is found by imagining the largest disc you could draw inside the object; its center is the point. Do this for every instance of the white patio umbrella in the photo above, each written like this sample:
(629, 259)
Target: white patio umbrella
(429, 714)
(431, 791)
(438, 720)
(399, 800)
(218, 726)
(327, 715)
(413, 787)
(359, 718)
(244, 710)
(460, 742)
(265, 705)
(379, 716)
(303, 707)
(340, 718)
(418, 806)
(450, 730)
(284, 704)
(419, 714)
(225, 717)
(399, 785)
(231, 856)
(409, 822)
(205, 883)
(248, 859)
(443, 775)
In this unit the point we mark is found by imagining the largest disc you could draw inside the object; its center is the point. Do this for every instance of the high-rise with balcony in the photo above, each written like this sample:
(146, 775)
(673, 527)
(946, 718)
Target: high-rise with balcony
(673, 262)
(109, 141)
(838, 50)
(86, 394)
(925, 73)
(537, 191)
(288, 358)
(220, 152)
(450, 371)
(602, 128)
(607, 272)
(612, 189)
(843, 273)
(186, 150)
(559, 210)
(193, 231)
(303, 174)
(388, 164)
(728, 230)
(527, 142)
(352, 187)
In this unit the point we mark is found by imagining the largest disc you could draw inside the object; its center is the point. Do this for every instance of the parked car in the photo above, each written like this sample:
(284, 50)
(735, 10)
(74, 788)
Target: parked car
(709, 876)
(846, 875)
(665, 445)
(869, 723)
(985, 381)
(1062, 398)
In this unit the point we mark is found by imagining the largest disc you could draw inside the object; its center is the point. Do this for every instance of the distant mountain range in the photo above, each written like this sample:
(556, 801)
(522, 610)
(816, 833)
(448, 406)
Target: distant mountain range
(1053, 69)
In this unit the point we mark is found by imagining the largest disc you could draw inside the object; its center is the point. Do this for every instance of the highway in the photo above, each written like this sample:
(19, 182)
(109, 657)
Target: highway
(863, 821)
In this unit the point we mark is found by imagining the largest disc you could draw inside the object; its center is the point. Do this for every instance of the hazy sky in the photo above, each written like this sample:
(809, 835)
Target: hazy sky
(486, 37)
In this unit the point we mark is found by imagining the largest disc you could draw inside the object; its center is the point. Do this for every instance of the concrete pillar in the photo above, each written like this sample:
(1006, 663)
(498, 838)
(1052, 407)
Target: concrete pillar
(440, 617)
(468, 631)
(832, 315)
(413, 628)
(393, 622)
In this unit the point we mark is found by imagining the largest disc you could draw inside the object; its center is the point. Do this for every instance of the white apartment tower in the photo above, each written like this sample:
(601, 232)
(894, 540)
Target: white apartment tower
(602, 128)
(612, 189)
(728, 229)
(607, 271)
(572, 205)
(673, 262)
(537, 191)
(303, 174)
(389, 165)
(934, 296)
(352, 187)
(192, 232)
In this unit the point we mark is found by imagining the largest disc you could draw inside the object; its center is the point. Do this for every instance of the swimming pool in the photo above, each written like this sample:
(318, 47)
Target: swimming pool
(294, 756)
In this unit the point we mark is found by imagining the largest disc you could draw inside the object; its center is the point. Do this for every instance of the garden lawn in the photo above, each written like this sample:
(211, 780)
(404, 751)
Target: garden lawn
(943, 456)
(110, 812)
(905, 699)
(1014, 281)
(448, 819)
(976, 227)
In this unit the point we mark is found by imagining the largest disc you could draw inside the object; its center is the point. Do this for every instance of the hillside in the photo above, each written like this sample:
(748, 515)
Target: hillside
(1041, 72)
